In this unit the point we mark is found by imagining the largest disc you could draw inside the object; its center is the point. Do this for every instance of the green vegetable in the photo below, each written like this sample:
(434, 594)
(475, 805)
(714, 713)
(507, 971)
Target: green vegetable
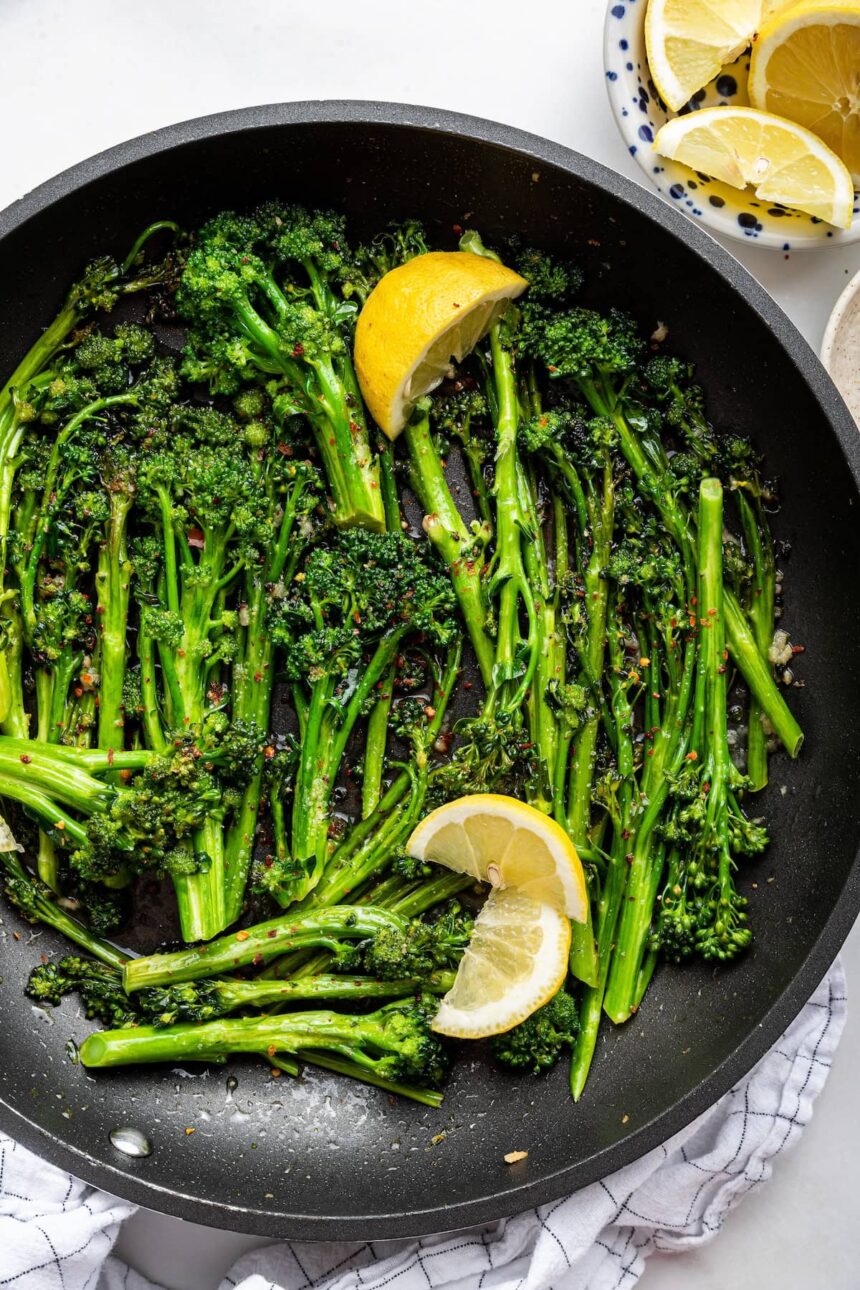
(394, 1044)
(537, 1043)
(187, 544)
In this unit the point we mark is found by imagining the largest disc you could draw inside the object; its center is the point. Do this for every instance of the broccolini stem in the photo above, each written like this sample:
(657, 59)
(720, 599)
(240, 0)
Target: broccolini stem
(42, 807)
(224, 997)
(349, 867)
(549, 669)
(599, 514)
(95, 761)
(510, 681)
(201, 896)
(36, 903)
(16, 721)
(374, 745)
(742, 643)
(60, 779)
(447, 531)
(377, 723)
(113, 591)
(320, 765)
(759, 545)
(342, 1066)
(608, 905)
(289, 1033)
(151, 716)
(400, 897)
(260, 943)
(348, 461)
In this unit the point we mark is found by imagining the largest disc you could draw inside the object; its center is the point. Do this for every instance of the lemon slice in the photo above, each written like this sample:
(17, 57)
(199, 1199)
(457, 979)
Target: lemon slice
(690, 41)
(770, 8)
(783, 162)
(417, 318)
(506, 843)
(806, 67)
(516, 961)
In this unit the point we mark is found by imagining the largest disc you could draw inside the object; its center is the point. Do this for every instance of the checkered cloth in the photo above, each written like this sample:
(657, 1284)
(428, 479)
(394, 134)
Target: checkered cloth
(57, 1234)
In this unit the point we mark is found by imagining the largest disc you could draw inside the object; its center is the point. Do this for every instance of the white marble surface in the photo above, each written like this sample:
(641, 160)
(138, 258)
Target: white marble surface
(80, 77)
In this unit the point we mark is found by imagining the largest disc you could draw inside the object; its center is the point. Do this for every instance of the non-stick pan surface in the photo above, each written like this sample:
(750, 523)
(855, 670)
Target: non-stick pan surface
(320, 1158)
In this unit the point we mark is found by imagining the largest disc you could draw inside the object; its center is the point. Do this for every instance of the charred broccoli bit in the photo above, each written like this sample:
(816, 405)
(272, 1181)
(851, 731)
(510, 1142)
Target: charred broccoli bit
(359, 598)
(264, 294)
(537, 1043)
(394, 1044)
(98, 984)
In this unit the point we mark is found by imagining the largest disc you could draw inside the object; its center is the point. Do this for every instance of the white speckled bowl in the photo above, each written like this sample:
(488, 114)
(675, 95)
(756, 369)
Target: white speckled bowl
(840, 349)
(639, 113)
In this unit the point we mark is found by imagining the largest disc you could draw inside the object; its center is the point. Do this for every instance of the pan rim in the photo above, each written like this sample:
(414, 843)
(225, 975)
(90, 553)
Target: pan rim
(123, 1181)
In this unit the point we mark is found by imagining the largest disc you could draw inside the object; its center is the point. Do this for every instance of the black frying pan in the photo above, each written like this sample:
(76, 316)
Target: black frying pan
(320, 1158)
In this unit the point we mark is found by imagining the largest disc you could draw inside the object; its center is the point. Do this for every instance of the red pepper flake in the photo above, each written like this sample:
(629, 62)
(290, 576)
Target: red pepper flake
(273, 931)
(692, 756)
(242, 936)
(26, 758)
(60, 824)
(258, 960)
(798, 649)
(272, 1049)
(458, 229)
(268, 752)
(285, 450)
(276, 1072)
(196, 538)
(298, 350)
(125, 775)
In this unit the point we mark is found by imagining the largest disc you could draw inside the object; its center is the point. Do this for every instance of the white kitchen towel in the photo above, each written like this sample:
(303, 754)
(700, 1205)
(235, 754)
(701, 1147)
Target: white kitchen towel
(57, 1234)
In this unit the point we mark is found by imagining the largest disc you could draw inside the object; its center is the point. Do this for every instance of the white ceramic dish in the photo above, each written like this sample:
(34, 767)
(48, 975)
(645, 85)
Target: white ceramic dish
(639, 112)
(840, 349)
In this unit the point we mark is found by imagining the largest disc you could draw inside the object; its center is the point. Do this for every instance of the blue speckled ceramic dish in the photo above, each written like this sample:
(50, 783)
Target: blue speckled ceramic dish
(639, 113)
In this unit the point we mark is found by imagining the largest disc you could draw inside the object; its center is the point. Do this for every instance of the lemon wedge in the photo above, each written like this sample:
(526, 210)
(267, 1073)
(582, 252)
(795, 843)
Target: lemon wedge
(690, 41)
(504, 842)
(518, 955)
(806, 67)
(783, 162)
(418, 317)
(515, 962)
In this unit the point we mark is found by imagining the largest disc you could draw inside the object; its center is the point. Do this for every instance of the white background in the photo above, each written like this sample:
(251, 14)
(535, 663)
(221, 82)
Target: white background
(79, 77)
